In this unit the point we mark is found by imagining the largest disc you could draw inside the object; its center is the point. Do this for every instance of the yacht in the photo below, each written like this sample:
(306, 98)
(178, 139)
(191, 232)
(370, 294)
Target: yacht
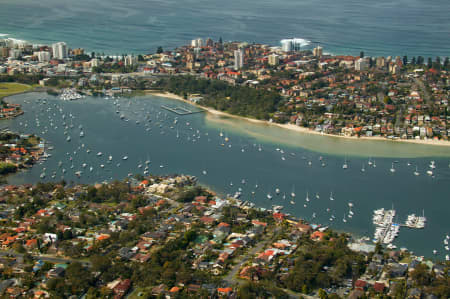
(392, 168)
(345, 166)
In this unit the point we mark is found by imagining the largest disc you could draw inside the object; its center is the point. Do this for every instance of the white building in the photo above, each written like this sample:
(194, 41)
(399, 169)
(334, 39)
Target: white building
(130, 60)
(362, 64)
(293, 44)
(238, 59)
(274, 59)
(60, 50)
(94, 62)
(15, 53)
(43, 56)
(197, 43)
(318, 51)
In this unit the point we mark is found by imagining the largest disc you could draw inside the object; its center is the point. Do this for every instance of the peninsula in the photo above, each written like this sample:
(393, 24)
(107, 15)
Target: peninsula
(393, 98)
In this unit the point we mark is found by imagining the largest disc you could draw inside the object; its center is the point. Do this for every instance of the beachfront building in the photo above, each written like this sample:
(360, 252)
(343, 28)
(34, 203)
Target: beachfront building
(43, 56)
(130, 60)
(274, 59)
(238, 59)
(197, 43)
(60, 50)
(362, 64)
(292, 44)
(318, 51)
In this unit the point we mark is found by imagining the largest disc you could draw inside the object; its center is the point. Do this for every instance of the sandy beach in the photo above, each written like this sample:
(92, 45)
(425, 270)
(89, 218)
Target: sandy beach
(297, 128)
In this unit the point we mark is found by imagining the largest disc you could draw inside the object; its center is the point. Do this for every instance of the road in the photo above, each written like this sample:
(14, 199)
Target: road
(231, 276)
(45, 258)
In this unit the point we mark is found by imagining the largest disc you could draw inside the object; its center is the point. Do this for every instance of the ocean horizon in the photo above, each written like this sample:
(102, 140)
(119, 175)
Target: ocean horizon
(382, 28)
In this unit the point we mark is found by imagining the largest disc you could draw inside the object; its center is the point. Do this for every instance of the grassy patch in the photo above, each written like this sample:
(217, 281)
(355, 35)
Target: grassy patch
(7, 89)
(140, 291)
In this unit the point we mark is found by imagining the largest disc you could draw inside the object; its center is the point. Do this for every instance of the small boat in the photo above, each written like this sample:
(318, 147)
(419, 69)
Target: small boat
(331, 196)
(416, 173)
(317, 196)
(204, 172)
(99, 154)
(269, 196)
(432, 165)
(307, 197)
(81, 134)
(110, 158)
(125, 158)
(363, 169)
(277, 191)
(392, 168)
(429, 172)
(345, 165)
(68, 138)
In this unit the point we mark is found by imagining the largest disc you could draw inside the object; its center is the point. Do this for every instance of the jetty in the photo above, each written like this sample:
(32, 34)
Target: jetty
(180, 110)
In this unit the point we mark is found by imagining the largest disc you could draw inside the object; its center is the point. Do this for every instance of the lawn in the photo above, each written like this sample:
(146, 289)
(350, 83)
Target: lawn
(7, 89)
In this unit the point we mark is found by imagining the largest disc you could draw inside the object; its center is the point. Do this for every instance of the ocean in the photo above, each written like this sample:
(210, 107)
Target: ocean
(383, 27)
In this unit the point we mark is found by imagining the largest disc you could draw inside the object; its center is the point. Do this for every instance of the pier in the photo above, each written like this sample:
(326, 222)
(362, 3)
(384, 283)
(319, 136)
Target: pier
(180, 110)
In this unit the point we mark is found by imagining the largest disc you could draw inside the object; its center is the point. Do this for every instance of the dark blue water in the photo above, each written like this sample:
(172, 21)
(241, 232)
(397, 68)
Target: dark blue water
(383, 27)
(199, 147)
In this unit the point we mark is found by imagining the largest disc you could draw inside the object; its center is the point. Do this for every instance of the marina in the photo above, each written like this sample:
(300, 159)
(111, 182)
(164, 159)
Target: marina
(180, 110)
(220, 151)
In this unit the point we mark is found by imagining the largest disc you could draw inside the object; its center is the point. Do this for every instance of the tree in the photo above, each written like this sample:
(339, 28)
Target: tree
(446, 63)
(437, 65)
(159, 50)
(420, 60)
(405, 60)
(19, 248)
(421, 276)
(322, 294)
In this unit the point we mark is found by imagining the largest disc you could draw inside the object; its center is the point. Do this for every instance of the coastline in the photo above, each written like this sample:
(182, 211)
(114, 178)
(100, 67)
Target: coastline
(295, 128)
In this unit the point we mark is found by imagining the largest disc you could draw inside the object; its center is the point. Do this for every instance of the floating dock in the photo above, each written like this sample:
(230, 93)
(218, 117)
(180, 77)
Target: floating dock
(180, 110)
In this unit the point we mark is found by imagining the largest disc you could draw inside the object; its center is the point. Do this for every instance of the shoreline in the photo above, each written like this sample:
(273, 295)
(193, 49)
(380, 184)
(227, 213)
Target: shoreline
(295, 128)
